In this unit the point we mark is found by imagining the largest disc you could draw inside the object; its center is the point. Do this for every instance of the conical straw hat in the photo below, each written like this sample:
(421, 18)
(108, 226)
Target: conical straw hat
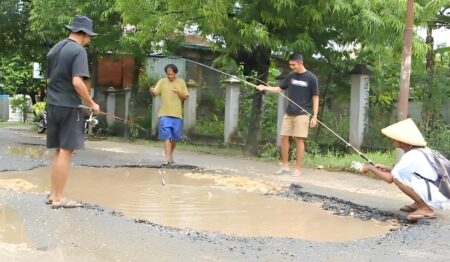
(405, 131)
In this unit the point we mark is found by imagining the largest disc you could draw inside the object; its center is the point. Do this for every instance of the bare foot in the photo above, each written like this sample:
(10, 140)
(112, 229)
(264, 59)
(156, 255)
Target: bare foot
(421, 214)
(409, 208)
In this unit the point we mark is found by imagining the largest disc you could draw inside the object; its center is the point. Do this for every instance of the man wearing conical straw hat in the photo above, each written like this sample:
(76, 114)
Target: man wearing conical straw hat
(413, 174)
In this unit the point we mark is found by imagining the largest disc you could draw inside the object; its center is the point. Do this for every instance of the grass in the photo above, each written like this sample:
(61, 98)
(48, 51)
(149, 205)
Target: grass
(331, 161)
(14, 124)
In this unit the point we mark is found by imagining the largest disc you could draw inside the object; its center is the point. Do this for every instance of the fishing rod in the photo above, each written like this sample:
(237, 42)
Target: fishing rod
(287, 98)
(124, 121)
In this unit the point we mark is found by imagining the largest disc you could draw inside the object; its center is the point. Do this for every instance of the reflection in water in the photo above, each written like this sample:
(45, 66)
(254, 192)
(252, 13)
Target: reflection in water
(232, 205)
(16, 184)
(11, 227)
(32, 152)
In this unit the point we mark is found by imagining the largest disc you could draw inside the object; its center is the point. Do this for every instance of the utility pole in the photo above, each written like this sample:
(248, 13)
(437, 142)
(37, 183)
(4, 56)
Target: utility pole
(405, 73)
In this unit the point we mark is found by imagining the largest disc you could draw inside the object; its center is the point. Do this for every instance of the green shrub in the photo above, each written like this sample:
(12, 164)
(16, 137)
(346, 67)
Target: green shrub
(38, 108)
(438, 137)
(19, 103)
(212, 126)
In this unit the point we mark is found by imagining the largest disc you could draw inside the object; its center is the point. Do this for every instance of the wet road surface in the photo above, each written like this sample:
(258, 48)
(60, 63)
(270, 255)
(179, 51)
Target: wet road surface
(100, 233)
(201, 201)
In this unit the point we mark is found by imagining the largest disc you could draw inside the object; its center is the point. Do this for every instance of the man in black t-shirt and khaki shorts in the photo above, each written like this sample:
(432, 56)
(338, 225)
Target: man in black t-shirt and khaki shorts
(67, 67)
(302, 88)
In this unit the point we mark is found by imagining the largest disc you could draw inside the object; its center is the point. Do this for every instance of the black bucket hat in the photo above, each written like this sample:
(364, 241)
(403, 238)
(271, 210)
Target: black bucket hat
(81, 23)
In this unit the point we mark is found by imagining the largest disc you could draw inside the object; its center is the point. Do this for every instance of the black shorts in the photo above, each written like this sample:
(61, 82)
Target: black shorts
(65, 127)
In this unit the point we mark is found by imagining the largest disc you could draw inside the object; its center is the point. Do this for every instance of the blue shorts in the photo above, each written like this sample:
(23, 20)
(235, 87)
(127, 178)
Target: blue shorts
(170, 128)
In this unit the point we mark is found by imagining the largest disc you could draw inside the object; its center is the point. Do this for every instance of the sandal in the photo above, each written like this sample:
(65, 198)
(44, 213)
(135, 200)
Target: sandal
(48, 201)
(167, 163)
(413, 217)
(408, 208)
(67, 203)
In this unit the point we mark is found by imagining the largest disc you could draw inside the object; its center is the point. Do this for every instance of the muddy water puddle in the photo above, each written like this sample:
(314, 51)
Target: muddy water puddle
(31, 152)
(11, 227)
(198, 201)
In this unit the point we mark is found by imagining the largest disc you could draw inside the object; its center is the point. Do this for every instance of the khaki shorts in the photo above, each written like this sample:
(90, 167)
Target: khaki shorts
(296, 126)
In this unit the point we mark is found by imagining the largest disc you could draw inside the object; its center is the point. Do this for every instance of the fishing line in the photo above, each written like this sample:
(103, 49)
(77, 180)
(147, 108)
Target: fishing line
(287, 98)
(124, 121)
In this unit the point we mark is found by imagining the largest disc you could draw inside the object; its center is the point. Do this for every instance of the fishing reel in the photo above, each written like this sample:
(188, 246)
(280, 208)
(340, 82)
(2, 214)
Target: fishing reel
(357, 166)
(92, 120)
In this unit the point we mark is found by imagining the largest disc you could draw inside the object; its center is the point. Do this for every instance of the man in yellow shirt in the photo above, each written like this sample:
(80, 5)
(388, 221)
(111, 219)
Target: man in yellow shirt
(173, 92)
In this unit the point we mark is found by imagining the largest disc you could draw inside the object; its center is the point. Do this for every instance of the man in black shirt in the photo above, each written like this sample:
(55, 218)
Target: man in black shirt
(302, 88)
(67, 68)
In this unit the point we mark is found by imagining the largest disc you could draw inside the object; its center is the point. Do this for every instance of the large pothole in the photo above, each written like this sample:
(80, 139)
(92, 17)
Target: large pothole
(202, 201)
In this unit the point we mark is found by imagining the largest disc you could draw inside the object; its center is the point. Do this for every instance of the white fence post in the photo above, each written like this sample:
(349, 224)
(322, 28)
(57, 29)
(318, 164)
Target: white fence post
(190, 107)
(359, 104)
(282, 104)
(232, 86)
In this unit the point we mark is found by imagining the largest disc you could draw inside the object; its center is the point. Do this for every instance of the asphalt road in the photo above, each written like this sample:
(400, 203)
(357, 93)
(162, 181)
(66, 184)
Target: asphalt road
(94, 233)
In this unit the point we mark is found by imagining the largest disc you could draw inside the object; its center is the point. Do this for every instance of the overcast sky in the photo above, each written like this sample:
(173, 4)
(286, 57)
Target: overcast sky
(441, 37)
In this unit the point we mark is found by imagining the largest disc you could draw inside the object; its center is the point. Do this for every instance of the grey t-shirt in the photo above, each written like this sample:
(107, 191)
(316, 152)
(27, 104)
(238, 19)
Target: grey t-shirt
(300, 89)
(65, 60)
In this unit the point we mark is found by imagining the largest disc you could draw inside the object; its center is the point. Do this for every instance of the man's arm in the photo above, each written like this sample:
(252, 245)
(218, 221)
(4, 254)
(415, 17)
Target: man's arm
(380, 173)
(152, 91)
(156, 89)
(183, 96)
(315, 102)
(81, 89)
(182, 91)
(271, 89)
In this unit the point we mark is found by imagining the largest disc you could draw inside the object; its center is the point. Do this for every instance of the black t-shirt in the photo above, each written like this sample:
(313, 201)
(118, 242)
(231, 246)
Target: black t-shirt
(65, 60)
(300, 89)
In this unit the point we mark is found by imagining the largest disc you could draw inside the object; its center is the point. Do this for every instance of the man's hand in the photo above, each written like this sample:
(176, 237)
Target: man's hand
(95, 107)
(313, 122)
(181, 95)
(383, 168)
(152, 91)
(366, 168)
(176, 91)
(261, 88)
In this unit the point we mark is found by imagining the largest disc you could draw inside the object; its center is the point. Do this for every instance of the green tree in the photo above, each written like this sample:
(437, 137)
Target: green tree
(16, 74)
(13, 26)
(251, 31)
(48, 17)
(18, 48)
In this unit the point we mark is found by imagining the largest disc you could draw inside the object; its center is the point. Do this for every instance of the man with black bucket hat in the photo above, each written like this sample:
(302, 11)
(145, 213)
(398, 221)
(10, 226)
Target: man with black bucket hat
(67, 68)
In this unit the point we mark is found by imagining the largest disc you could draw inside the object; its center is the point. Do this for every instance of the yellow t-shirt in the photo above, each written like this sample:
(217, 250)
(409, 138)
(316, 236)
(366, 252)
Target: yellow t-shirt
(171, 104)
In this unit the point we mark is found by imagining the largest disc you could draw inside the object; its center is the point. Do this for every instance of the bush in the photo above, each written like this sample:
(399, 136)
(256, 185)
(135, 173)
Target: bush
(38, 108)
(438, 137)
(22, 104)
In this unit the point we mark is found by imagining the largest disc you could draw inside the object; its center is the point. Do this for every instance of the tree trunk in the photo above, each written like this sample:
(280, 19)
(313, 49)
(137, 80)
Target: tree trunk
(429, 109)
(134, 94)
(258, 60)
(430, 54)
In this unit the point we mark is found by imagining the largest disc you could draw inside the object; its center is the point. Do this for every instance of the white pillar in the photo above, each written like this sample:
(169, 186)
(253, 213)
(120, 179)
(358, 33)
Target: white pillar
(359, 104)
(155, 109)
(4, 107)
(232, 86)
(282, 104)
(190, 107)
(127, 102)
(110, 105)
